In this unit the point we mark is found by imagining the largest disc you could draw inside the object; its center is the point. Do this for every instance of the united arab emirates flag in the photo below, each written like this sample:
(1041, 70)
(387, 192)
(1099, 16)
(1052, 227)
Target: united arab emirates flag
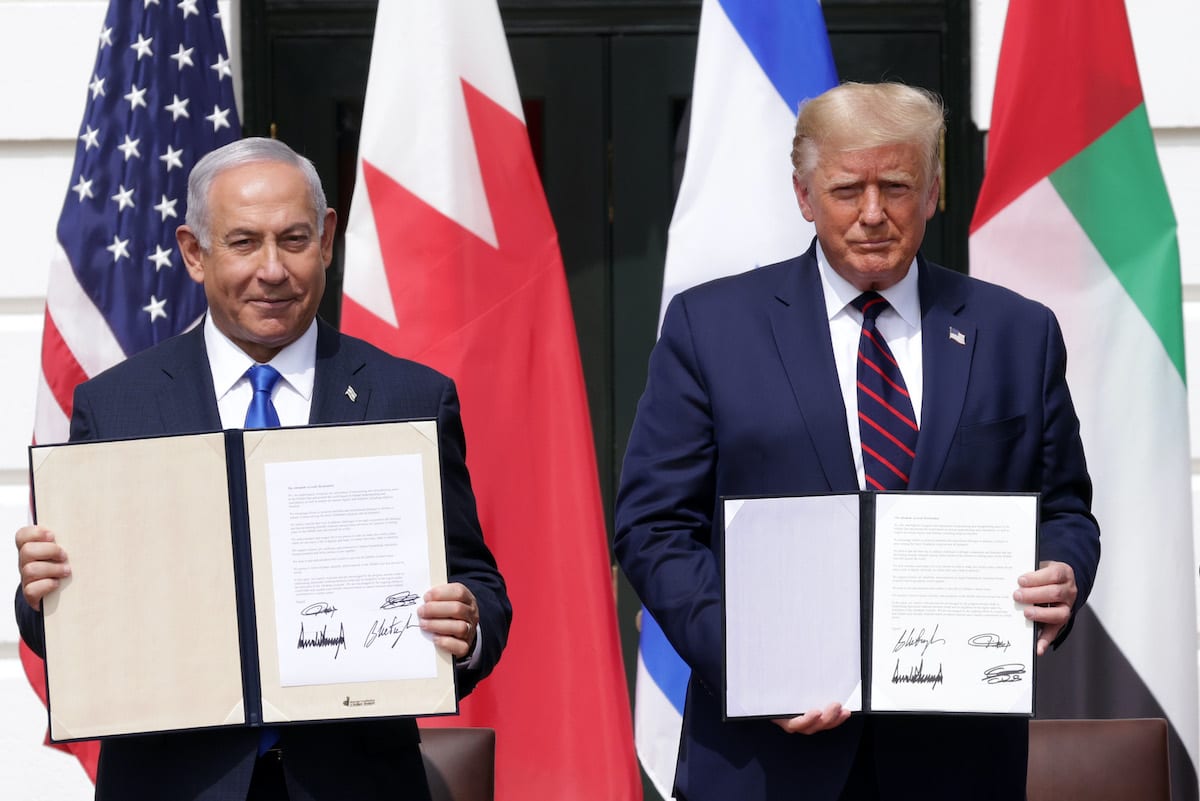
(1074, 213)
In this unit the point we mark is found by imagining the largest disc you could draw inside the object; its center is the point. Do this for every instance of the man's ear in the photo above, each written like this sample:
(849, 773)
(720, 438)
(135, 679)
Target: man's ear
(935, 193)
(192, 253)
(801, 189)
(327, 235)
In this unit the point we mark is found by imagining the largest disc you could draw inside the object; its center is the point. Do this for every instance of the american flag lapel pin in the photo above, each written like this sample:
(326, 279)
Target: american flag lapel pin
(351, 394)
(957, 337)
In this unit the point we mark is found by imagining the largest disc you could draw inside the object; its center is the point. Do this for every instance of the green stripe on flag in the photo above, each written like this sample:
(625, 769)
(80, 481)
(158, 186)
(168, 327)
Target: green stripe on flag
(1115, 189)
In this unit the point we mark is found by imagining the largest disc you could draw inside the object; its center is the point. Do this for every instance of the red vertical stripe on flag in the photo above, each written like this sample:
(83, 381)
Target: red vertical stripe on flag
(59, 365)
(1066, 75)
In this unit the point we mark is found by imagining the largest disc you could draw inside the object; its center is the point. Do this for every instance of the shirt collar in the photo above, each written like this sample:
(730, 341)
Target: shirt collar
(296, 363)
(904, 297)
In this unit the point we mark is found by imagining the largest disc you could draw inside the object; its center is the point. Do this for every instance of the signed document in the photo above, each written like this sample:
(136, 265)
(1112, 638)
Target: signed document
(348, 547)
(290, 563)
(883, 602)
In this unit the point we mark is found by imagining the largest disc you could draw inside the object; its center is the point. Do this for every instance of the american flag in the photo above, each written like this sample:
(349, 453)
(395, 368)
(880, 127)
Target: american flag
(160, 97)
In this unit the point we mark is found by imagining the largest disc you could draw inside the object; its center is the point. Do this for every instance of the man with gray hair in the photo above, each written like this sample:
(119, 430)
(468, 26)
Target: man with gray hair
(259, 237)
(761, 385)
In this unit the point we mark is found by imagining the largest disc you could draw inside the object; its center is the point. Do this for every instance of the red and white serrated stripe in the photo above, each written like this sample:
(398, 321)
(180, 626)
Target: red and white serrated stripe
(77, 343)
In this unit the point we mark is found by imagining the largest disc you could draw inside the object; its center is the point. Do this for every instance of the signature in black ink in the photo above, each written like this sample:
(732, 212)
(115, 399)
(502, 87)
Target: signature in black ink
(398, 599)
(988, 641)
(382, 628)
(319, 608)
(1003, 674)
(322, 640)
(911, 638)
(917, 675)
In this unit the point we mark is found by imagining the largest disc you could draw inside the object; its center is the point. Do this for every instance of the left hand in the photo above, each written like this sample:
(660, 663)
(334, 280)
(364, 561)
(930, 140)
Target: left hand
(1050, 594)
(815, 720)
(451, 615)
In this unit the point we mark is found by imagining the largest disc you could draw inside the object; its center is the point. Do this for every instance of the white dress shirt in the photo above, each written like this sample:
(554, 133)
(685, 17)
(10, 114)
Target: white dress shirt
(900, 326)
(292, 396)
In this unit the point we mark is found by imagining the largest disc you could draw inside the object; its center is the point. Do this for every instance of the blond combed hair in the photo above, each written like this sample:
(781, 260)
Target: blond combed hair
(858, 116)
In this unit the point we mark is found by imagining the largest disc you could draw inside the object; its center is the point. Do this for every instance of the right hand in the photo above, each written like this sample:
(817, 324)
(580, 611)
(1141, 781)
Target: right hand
(42, 562)
(814, 720)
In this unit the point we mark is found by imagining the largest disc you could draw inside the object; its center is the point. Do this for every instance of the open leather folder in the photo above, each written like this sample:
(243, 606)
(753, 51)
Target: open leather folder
(887, 602)
(242, 578)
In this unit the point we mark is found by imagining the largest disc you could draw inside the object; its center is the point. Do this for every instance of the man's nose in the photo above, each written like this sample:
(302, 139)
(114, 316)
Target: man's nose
(871, 212)
(272, 269)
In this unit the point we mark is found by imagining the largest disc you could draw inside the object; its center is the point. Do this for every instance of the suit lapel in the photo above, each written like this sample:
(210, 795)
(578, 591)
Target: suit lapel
(188, 402)
(800, 325)
(947, 348)
(341, 388)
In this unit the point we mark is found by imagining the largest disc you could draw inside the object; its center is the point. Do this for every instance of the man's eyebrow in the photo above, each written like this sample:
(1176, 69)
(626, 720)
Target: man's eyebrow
(897, 173)
(240, 233)
(842, 181)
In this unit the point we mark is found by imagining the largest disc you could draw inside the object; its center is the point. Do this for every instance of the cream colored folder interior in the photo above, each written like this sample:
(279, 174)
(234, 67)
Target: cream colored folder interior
(144, 636)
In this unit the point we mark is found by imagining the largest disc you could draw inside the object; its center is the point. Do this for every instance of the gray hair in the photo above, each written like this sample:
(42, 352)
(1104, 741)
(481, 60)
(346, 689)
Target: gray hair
(252, 150)
(857, 116)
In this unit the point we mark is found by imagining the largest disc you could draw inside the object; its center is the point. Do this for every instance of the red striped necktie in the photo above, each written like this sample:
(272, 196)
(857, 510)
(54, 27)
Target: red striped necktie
(886, 422)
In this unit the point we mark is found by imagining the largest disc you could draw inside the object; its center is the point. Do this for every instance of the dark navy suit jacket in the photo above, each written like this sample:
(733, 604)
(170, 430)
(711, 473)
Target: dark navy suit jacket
(168, 390)
(743, 399)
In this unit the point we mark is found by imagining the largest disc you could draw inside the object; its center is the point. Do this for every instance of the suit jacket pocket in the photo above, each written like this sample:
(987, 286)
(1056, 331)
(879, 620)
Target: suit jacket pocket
(992, 431)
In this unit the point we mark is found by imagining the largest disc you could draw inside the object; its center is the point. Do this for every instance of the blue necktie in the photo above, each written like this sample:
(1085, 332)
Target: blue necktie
(886, 422)
(261, 414)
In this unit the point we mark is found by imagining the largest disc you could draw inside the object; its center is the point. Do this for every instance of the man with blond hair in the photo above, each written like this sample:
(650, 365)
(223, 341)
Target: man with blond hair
(754, 389)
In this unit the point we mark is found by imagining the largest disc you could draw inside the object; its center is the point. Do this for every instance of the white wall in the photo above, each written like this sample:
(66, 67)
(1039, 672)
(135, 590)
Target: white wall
(44, 69)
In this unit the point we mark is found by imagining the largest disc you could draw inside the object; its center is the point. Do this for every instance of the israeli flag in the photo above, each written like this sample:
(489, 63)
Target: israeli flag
(756, 61)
